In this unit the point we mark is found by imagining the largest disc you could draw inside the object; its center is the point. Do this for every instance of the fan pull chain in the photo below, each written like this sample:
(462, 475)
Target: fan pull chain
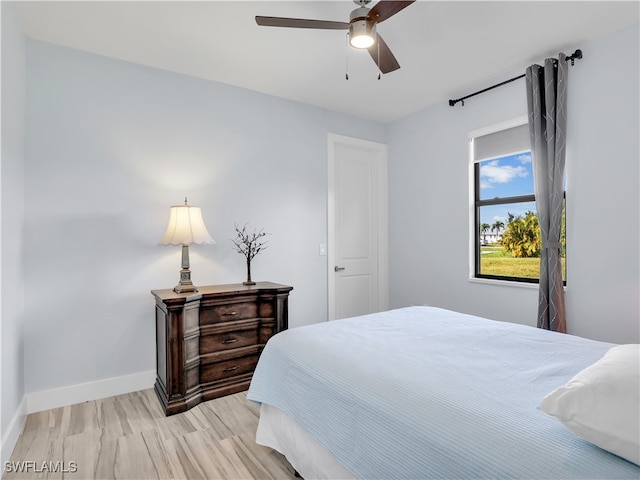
(346, 56)
(378, 62)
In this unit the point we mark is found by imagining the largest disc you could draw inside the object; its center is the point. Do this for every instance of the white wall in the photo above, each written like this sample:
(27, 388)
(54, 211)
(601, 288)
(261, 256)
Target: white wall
(111, 145)
(429, 200)
(12, 388)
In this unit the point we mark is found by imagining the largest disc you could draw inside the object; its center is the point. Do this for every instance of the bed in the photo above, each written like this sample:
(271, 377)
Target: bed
(426, 393)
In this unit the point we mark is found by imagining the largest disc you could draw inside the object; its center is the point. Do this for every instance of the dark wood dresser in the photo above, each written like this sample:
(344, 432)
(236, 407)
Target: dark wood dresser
(208, 342)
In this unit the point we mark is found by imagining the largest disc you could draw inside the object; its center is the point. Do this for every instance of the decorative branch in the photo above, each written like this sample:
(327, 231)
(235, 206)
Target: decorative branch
(249, 244)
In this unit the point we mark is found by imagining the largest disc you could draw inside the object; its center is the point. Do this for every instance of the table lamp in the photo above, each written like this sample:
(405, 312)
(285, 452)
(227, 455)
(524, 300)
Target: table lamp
(185, 227)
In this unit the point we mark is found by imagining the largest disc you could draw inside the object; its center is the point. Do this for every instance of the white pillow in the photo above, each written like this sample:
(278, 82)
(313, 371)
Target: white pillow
(601, 404)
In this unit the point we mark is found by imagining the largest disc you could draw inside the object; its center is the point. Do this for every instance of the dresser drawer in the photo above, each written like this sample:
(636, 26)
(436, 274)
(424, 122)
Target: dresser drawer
(227, 336)
(228, 312)
(228, 368)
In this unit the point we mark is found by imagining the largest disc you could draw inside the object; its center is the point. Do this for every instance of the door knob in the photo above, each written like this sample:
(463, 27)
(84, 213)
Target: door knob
(337, 268)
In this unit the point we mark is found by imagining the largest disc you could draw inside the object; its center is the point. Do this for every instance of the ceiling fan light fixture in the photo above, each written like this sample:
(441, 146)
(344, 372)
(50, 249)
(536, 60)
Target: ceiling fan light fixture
(362, 34)
(362, 31)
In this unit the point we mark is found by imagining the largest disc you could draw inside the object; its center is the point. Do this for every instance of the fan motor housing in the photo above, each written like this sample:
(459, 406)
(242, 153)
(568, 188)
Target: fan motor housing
(361, 13)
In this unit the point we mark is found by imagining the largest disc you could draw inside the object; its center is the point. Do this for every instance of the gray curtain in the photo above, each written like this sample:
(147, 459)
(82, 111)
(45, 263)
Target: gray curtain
(547, 103)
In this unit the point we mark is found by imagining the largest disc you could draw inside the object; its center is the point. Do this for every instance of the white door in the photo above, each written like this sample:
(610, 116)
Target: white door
(357, 227)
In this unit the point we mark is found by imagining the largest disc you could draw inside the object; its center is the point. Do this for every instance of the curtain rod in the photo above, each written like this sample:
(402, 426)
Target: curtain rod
(576, 55)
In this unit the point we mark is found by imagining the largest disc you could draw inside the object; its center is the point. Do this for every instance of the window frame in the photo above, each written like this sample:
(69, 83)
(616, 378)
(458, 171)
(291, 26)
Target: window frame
(476, 203)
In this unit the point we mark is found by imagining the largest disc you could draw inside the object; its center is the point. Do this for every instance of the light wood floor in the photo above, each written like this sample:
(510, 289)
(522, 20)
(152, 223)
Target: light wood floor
(129, 437)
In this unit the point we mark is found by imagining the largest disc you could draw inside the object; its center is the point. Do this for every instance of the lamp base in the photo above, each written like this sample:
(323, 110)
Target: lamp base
(185, 288)
(185, 285)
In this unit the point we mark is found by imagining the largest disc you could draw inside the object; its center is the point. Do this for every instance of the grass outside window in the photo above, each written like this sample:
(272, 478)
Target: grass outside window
(493, 261)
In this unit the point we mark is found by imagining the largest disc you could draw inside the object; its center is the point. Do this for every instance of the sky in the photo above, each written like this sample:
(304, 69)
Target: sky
(505, 177)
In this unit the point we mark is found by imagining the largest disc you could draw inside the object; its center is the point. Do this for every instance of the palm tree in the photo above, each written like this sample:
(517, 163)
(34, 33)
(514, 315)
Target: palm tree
(484, 228)
(522, 236)
(497, 226)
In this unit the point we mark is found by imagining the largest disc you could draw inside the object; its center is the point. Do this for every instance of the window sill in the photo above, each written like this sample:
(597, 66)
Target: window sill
(505, 283)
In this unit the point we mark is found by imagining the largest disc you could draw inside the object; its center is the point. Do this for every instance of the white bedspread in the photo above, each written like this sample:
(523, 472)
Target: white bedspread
(422, 392)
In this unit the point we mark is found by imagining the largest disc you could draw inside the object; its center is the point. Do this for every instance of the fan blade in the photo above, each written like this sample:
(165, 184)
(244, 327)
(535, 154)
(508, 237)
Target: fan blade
(386, 62)
(386, 8)
(300, 23)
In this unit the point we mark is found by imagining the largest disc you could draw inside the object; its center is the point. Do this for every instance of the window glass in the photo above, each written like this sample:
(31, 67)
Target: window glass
(510, 241)
(508, 176)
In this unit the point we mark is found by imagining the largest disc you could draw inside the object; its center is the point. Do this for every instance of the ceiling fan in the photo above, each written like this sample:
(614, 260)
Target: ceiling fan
(361, 26)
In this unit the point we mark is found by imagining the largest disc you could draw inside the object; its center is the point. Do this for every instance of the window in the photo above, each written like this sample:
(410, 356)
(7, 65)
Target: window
(506, 242)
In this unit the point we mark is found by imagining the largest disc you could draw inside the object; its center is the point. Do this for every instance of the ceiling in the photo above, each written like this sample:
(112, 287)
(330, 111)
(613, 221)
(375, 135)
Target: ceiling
(446, 49)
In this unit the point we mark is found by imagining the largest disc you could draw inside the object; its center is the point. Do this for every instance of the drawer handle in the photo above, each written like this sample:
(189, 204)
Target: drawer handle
(230, 314)
(230, 369)
(230, 340)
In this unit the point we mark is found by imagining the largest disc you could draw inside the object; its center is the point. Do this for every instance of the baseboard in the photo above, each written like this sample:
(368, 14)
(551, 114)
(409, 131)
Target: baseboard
(13, 432)
(84, 392)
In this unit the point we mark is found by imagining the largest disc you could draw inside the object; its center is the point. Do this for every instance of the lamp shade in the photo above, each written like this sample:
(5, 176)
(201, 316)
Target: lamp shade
(185, 226)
